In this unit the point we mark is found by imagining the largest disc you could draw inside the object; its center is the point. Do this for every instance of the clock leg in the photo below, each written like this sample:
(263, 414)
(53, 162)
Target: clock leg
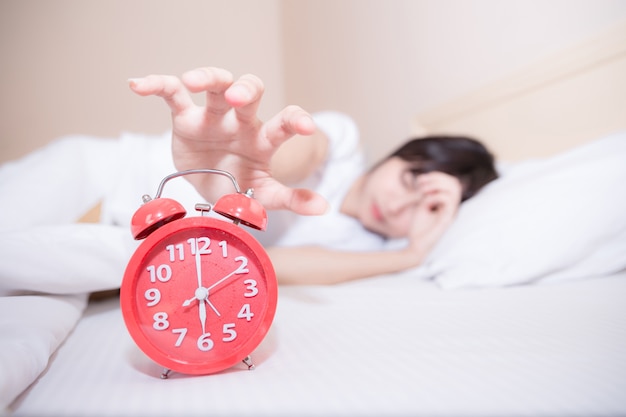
(248, 361)
(165, 373)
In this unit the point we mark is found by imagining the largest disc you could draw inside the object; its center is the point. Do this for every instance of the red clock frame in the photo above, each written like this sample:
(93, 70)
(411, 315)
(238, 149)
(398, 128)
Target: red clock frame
(199, 295)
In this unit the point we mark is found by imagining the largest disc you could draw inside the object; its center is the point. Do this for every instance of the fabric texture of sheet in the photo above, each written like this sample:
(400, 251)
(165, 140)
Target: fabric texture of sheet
(387, 346)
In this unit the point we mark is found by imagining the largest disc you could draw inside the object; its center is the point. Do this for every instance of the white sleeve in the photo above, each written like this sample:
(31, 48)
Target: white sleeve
(144, 160)
(342, 133)
(345, 162)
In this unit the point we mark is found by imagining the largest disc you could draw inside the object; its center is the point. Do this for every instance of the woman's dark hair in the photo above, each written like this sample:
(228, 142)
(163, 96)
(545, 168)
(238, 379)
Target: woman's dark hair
(463, 157)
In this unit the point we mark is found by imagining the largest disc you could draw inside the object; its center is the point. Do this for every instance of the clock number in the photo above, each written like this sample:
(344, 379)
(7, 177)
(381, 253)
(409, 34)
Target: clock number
(153, 296)
(229, 329)
(250, 286)
(160, 321)
(163, 273)
(205, 343)
(182, 333)
(242, 269)
(245, 313)
(195, 243)
(224, 247)
(172, 249)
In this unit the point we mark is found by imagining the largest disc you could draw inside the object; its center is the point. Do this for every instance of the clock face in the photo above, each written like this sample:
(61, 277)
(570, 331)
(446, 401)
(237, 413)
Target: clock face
(198, 295)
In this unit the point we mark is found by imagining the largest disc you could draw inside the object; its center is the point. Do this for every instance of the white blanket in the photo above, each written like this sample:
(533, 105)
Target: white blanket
(386, 346)
(48, 264)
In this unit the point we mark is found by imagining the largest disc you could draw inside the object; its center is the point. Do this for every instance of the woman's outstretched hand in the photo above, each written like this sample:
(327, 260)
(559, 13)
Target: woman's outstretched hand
(227, 134)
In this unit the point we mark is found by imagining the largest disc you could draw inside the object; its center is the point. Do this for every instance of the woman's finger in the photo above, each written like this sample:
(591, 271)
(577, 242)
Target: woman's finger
(299, 200)
(292, 120)
(167, 87)
(437, 182)
(213, 81)
(245, 96)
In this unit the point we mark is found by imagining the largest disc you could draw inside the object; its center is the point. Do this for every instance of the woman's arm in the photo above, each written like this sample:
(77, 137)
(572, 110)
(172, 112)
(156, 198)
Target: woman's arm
(319, 266)
(432, 217)
(299, 157)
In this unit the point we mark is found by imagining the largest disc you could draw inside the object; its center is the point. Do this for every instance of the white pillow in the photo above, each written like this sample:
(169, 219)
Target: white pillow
(34, 327)
(556, 219)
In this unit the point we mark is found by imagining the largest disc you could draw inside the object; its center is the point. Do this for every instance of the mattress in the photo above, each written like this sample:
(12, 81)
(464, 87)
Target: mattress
(392, 345)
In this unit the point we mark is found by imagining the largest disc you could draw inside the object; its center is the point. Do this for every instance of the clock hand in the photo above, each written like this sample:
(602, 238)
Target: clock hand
(198, 265)
(202, 294)
(212, 306)
(241, 269)
(198, 275)
(222, 280)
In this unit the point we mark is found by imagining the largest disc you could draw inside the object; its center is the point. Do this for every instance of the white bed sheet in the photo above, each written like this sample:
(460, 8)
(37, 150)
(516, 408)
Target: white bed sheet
(391, 345)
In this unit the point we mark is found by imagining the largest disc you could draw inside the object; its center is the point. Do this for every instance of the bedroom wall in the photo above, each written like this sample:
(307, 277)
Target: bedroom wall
(383, 62)
(64, 63)
(564, 101)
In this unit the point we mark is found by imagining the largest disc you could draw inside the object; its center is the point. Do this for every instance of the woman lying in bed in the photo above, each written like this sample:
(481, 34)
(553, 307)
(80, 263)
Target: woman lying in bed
(411, 195)
(379, 221)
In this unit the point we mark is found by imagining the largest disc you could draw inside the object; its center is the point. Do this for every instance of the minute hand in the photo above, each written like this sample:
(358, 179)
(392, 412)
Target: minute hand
(242, 269)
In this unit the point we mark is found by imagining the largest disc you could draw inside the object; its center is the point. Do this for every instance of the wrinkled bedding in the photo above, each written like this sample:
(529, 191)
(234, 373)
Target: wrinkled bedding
(362, 348)
(392, 345)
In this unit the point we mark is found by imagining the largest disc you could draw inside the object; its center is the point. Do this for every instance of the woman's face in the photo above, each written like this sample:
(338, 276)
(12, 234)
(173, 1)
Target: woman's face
(387, 199)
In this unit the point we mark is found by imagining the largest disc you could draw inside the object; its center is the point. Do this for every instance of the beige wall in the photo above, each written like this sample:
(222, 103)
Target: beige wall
(385, 61)
(568, 99)
(65, 62)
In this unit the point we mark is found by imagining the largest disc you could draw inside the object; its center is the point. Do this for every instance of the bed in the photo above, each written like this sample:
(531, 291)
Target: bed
(518, 310)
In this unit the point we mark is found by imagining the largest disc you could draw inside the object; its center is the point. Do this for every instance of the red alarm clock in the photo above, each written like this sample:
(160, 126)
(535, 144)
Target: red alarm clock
(200, 293)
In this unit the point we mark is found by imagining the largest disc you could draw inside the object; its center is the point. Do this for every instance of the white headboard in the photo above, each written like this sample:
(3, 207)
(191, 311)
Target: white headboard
(573, 97)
